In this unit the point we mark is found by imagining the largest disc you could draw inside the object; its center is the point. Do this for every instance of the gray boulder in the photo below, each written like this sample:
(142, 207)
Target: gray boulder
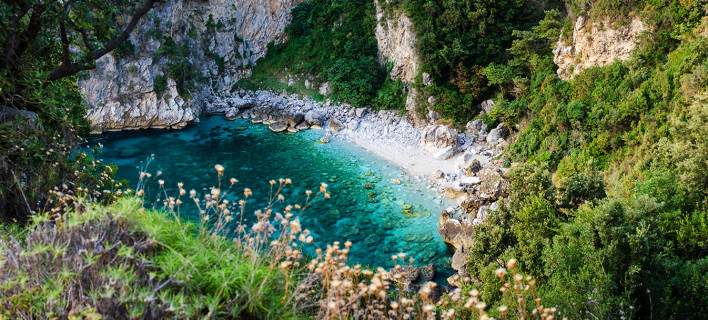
(296, 119)
(335, 125)
(441, 141)
(302, 126)
(325, 89)
(314, 118)
(497, 134)
(278, 126)
(476, 127)
(487, 105)
(360, 112)
(231, 113)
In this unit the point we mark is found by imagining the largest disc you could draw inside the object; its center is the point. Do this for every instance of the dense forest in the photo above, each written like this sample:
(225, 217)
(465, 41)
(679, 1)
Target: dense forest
(606, 209)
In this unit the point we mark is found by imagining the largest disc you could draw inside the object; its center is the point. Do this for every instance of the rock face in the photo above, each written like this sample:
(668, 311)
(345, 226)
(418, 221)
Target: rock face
(119, 100)
(224, 39)
(596, 43)
(396, 40)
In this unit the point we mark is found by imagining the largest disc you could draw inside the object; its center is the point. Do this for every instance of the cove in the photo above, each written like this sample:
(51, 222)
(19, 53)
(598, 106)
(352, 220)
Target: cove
(368, 206)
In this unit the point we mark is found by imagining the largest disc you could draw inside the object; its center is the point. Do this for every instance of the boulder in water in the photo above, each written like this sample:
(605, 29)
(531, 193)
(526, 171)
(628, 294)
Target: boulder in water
(278, 126)
(231, 114)
(296, 119)
(302, 126)
(314, 118)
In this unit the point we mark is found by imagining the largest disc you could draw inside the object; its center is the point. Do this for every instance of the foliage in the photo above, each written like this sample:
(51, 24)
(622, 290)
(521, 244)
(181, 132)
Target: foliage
(122, 261)
(463, 45)
(179, 66)
(611, 184)
(331, 41)
(45, 44)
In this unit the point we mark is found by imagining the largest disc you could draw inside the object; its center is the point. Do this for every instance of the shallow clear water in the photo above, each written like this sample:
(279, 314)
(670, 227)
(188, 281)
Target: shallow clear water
(366, 207)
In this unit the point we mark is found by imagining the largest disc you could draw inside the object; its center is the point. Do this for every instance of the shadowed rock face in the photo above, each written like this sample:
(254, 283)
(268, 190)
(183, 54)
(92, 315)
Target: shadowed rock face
(120, 92)
(396, 41)
(596, 43)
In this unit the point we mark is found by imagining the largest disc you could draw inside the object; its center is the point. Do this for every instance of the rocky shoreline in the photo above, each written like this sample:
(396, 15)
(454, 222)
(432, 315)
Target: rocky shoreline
(463, 166)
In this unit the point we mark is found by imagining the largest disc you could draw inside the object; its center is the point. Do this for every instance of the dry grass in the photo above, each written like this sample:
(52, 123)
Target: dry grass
(126, 262)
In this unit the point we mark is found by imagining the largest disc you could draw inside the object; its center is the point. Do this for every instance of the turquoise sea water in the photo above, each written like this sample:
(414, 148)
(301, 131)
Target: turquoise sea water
(366, 206)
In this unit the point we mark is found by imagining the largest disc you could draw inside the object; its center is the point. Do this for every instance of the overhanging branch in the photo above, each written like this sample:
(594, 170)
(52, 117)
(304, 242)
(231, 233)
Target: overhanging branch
(69, 68)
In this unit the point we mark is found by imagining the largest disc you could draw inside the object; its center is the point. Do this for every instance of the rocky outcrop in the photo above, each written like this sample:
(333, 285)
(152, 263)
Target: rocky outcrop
(596, 43)
(479, 182)
(120, 100)
(396, 40)
(219, 40)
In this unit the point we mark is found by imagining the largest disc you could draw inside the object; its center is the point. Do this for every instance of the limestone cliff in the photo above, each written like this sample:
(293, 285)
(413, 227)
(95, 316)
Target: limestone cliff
(396, 40)
(208, 45)
(596, 43)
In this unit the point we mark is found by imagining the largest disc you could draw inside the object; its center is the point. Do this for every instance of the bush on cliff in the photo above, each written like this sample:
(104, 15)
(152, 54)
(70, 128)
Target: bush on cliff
(45, 45)
(334, 42)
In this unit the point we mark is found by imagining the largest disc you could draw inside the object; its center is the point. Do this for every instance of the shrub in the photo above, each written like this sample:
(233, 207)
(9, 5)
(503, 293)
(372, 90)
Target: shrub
(122, 261)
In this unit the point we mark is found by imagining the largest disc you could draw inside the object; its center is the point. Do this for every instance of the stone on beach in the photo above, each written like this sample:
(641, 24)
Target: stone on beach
(335, 125)
(441, 141)
(497, 134)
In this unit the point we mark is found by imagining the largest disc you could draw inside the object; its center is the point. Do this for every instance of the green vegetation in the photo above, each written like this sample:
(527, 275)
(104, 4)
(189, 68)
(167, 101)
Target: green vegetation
(122, 261)
(45, 47)
(331, 41)
(606, 207)
(607, 204)
(457, 40)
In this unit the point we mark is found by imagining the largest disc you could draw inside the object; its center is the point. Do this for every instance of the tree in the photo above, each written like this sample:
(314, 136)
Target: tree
(49, 40)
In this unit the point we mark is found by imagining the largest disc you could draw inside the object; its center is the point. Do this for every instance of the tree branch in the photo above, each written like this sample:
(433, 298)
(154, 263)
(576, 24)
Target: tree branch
(33, 29)
(11, 41)
(84, 35)
(71, 68)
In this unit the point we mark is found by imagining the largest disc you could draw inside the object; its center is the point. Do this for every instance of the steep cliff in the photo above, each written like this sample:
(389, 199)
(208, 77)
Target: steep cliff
(182, 51)
(396, 41)
(596, 43)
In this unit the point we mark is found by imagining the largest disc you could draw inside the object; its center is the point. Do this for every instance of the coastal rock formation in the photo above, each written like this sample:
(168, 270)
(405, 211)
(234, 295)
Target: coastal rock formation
(396, 40)
(120, 100)
(596, 43)
(215, 40)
